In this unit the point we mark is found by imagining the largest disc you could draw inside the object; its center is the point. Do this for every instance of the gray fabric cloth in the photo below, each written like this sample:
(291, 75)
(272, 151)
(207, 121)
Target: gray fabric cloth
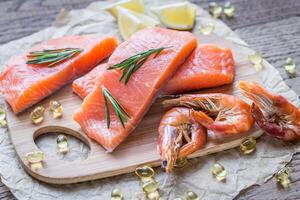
(243, 171)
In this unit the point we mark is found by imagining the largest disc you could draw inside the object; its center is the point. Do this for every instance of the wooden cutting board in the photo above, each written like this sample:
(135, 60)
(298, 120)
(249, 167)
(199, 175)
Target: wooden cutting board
(138, 149)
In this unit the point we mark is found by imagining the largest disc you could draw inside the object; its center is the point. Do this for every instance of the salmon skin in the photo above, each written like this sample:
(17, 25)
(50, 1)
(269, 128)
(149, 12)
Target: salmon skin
(139, 93)
(208, 66)
(26, 84)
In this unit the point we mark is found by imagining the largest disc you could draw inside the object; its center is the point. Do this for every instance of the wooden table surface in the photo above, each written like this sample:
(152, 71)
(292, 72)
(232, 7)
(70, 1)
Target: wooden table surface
(271, 27)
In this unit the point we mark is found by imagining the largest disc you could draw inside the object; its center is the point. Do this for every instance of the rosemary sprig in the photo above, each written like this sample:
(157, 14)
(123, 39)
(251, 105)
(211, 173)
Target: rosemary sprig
(118, 108)
(133, 63)
(52, 56)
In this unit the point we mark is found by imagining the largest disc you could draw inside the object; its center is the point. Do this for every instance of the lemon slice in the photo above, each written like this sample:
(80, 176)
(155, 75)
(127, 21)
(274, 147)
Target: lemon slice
(180, 16)
(135, 5)
(130, 21)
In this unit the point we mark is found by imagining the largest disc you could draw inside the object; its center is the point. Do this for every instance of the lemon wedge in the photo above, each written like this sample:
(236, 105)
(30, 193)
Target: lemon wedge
(135, 5)
(180, 16)
(130, 21)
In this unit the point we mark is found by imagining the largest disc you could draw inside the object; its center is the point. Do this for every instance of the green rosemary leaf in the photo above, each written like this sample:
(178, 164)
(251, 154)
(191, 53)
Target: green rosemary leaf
(133, 63)
(52, 57)
(118, 108)
(42, 52)
(107, 114)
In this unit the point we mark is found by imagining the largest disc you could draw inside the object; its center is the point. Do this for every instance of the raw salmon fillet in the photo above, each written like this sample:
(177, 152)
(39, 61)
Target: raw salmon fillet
(25, 84)
(142, 88)
(208, 66)
(85, 84)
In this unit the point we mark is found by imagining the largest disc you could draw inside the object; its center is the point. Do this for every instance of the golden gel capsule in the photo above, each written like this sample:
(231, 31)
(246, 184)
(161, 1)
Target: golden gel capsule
(144, 171)
(146, 179)
(3, 122)
(283, 176)
(229, 9)
(37, 115)
(150, 186)
(180, 163)
(219, 172)
(190, 195)
(178, 198)
(207, 30)
(248, 145)
(56, 109)
(215, 10)
(62, 143)
(153, 195)
(290, 66)
(116, 194)
(256, 58)
(35, 159)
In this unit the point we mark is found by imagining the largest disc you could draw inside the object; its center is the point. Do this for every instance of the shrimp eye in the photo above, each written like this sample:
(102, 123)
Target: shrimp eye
(164, 163)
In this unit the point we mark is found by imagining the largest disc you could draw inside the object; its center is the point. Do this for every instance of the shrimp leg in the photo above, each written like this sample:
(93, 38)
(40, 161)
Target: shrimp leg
(269, 127)
(198, 140)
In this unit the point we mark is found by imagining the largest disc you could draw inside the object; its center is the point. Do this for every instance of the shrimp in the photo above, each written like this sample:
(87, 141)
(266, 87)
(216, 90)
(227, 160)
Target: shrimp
(225, 116)
(273, 113)
(179, 136)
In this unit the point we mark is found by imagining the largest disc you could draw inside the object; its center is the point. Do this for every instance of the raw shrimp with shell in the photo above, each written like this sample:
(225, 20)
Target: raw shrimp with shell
(179, 136)
(225, 116)
(272, 112)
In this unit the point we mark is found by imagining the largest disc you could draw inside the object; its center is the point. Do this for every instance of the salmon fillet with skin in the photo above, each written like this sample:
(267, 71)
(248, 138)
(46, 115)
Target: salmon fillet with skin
(139, 93)
(26, 84)
(208, 66)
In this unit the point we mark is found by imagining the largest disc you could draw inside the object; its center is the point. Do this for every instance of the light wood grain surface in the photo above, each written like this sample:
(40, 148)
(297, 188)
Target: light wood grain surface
(269, 26)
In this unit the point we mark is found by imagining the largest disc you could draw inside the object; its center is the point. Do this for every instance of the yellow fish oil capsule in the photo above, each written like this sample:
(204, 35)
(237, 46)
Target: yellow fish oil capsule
(191, 195)
(207, 30)
(178, 198)
(258, 67)
(257, 61)
(146, 179)
(3, 122)
(37, 115)
(248, 145)
(62, 143)
(215, 10)
(144, 171)
(35, 159)
(229, 9)
(283, 176)
(56, 109)
(150, 186)
(153, 195)
(290, 66)
(180, 163)
(219, 172)
(256, 58)
(116, 194)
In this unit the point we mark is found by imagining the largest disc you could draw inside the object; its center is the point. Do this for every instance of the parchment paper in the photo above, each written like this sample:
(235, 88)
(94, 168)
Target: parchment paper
(243, 171)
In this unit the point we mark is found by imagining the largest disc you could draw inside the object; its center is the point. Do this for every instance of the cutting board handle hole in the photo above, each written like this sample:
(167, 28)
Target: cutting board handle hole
(45, 139)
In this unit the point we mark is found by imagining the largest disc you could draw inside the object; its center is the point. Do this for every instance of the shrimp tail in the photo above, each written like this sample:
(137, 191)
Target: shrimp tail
(270, 128)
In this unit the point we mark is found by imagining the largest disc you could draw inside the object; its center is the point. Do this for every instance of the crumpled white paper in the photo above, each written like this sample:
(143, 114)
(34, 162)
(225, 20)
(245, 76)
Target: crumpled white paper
(243, 171)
